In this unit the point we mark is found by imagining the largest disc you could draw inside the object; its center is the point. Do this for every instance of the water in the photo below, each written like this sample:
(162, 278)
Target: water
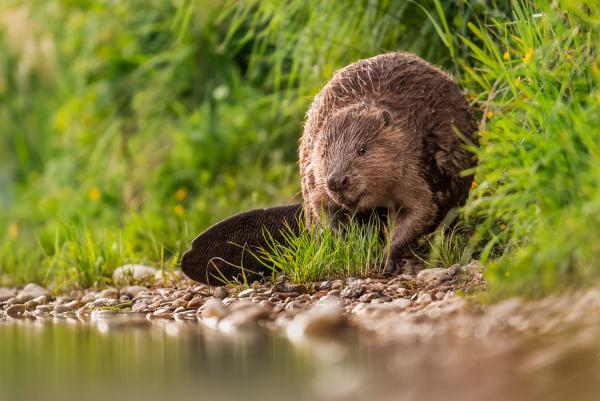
(170, 360)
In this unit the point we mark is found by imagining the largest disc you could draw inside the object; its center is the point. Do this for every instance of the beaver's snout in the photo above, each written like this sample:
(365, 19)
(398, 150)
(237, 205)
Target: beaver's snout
(337, 182)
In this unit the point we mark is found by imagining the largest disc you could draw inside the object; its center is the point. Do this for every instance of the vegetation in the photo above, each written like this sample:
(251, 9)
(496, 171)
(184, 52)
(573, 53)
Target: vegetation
(128, 127)
(320, 253)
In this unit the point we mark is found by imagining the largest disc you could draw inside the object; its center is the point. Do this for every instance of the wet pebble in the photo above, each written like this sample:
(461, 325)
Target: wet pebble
(322, 320)
(62, 309)
(246, 293)
(31, 291)
(16, 311)
(213, 308)
(110, 293)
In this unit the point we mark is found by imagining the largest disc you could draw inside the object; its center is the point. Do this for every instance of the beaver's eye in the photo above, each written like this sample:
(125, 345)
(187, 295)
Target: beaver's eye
(361, 150)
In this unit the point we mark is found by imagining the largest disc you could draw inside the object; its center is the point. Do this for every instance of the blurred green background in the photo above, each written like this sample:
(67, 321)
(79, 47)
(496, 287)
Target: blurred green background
(127, 127)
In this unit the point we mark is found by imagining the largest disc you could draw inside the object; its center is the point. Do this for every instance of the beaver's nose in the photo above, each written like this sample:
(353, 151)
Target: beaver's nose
(337, 182)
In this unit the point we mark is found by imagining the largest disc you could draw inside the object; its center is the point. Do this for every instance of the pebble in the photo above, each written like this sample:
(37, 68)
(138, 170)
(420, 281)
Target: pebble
(62, 309)
(322, 320)
(44, 308)
(213, 308)
(368, 297)
(195, 302)
(431, 275)
(134, 290)
(246, 293)
(31, 291)
(110, 293)
(16, 311)
(141, 307)
(243, 318)
(180, 302)
(424, 298)
(31, 305)
(221, 293)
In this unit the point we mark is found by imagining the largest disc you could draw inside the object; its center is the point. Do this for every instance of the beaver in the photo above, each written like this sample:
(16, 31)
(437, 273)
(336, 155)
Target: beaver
(222, 251)
(387, 132)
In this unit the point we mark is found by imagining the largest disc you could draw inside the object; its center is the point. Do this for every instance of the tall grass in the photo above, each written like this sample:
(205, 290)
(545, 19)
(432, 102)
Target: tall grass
(321, 253)
(536, 78)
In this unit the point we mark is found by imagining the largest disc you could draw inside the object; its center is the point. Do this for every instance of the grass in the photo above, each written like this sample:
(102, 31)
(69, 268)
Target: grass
(321, 253)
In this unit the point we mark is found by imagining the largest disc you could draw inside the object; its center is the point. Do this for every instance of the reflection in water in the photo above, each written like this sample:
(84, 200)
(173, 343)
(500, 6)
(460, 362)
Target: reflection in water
(170, 360)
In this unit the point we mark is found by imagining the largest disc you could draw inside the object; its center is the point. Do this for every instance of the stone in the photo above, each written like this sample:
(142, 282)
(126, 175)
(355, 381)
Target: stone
(163, 313)
(195, 302)
(424, 298)
(325, 285)
(31, 291)
(110, 293)
(333, 293)
(213, 308)
(133, 273)
(337, 285)
(179, 302)
(89, 297)
(16, 311)
(31, 305)
(430, 275)
(297, 288)
(295, 305)
(265, 304)
(6, 294)
(368, 297)
(322, 320)
(243, 318)
(44, 308)
(140, 307)
(246, 293)
(353, 290)
(62, 309)
(221, 292)
(41, 300)
(134, 290)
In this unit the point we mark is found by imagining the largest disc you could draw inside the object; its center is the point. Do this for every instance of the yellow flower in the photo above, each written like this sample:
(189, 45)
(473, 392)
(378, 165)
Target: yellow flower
(181, 194)
(13, 230)
(473, 184)
(94, 194)
(518, 82)
(179, 210)
(528, 55)
(489, 115)
(506, 56)
(502, 226)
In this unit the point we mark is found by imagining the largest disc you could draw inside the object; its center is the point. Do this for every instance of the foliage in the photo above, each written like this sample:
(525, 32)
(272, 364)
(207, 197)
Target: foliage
(537, 201)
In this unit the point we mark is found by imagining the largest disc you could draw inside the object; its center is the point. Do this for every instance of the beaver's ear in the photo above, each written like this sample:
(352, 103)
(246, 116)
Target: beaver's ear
(387, 118)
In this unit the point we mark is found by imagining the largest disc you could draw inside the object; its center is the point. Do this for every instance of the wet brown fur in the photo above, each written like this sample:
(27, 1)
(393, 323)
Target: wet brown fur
(406, 113)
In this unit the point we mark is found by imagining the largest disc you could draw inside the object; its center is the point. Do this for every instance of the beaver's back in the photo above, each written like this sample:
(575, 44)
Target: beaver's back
(422, 94)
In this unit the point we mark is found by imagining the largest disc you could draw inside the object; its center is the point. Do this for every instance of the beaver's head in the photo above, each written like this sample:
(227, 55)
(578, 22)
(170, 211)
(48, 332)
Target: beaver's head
(356, 156)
